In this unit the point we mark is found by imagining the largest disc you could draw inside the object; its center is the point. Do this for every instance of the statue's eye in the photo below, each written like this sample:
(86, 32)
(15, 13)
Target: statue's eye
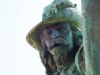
(49, 32)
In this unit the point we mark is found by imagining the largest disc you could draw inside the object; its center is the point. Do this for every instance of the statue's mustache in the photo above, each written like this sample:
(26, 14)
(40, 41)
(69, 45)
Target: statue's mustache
(58, 42)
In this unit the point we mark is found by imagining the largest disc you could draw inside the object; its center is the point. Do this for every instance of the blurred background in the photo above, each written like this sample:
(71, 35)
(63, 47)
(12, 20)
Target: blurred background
(17, 17)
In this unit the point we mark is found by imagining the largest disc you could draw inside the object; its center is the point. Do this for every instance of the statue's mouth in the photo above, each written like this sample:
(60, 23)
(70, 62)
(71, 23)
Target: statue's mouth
(58, 42)
(57, 45)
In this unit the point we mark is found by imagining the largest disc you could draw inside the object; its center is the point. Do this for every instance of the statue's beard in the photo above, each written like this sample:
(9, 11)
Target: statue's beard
(60, 56)
(60, 49)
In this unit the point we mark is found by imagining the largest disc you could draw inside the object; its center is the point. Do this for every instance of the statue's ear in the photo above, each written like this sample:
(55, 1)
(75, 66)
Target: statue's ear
(77, 36)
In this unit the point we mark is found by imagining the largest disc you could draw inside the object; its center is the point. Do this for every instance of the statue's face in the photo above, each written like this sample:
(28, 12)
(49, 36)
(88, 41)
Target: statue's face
(58, 39)
(58, 35)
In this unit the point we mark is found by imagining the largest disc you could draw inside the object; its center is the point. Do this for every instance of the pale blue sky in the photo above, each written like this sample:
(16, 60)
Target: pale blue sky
(17, 17)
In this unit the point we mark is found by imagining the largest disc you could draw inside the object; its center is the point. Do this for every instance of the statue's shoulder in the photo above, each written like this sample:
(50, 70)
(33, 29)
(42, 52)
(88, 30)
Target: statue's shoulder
(80, 61)
(71, 70)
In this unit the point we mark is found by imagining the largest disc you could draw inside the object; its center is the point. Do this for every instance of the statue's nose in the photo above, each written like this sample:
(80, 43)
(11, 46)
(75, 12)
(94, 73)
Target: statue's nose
(54, 34)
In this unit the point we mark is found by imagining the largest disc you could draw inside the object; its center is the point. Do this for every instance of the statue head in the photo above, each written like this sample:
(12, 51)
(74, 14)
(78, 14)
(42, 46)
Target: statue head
(58, 36)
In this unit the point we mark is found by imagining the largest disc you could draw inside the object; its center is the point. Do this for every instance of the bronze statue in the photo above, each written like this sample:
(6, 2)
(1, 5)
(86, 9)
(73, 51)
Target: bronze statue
(58, 39)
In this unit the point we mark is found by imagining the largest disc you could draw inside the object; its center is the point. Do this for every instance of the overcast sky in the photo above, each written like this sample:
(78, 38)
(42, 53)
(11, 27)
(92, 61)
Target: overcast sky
(17, 17)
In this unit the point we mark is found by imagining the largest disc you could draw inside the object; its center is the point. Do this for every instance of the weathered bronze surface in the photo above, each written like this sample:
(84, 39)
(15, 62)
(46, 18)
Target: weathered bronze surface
(58, 39)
